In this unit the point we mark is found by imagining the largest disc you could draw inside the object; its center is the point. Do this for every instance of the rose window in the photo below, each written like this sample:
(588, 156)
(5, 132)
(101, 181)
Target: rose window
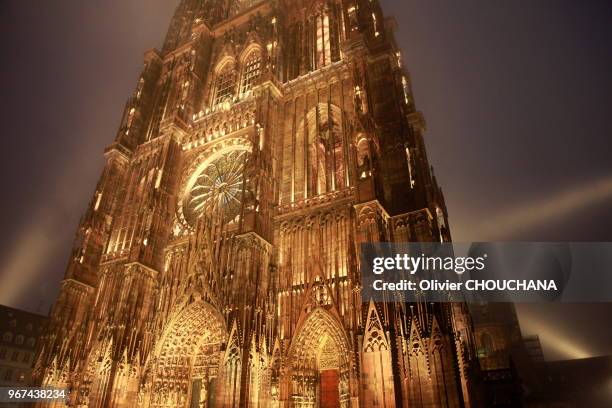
(218, 189)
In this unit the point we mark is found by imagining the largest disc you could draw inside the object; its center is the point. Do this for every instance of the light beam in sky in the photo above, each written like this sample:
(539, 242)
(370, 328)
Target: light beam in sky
(25, 261)
(27, 275)
(505, 225)
(554, 341)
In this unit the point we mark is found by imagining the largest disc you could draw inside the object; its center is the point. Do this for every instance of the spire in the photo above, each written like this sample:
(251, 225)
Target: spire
(191, 13)
(181, 23)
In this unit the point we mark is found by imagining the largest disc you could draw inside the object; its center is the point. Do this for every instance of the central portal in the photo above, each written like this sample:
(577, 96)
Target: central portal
(320, 368)
(187, 359)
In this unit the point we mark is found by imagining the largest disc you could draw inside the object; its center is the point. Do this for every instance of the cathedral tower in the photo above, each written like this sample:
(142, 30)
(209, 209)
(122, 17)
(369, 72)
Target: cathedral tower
(217, 264)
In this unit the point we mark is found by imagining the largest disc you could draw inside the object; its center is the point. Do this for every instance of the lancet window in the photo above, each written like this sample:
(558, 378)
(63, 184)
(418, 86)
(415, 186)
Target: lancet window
(250, 72)
(225, 85)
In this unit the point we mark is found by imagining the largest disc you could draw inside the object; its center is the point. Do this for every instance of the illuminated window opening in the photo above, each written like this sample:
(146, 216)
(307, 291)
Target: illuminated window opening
(352, 18)
(226, 85)
(323, 45)
(375, 22)
(441, 222)
(410, 171)
(252, 71)
(406, 89)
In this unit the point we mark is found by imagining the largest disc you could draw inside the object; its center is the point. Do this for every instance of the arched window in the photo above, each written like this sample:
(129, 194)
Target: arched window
(225, 84)
(322, 33)
(325, 155)
(250, 72)
(323, 44)
(406, 89)
(441, 222)
(19, 340)
(8, 337)
(364, 161)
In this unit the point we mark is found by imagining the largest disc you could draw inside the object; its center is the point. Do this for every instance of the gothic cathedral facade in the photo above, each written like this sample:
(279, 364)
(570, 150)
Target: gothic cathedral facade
(217, 264)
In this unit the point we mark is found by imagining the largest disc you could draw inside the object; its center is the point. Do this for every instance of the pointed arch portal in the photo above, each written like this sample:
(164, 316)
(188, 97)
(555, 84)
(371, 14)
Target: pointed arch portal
(187, 358)
(319, 358)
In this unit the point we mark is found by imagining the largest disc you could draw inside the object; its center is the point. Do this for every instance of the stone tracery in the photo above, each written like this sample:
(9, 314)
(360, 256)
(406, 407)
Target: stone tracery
(186, 361)
(262, 146)
(218, 187)
(320, 346)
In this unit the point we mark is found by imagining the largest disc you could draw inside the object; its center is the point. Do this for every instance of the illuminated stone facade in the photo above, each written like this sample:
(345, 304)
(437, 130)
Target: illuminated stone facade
(217, 263)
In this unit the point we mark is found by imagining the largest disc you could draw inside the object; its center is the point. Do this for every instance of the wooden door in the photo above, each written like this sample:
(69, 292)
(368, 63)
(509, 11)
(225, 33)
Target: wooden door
(330, 394)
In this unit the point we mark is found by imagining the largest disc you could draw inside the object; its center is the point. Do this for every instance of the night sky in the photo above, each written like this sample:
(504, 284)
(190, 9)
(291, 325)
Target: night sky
(517, 97)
